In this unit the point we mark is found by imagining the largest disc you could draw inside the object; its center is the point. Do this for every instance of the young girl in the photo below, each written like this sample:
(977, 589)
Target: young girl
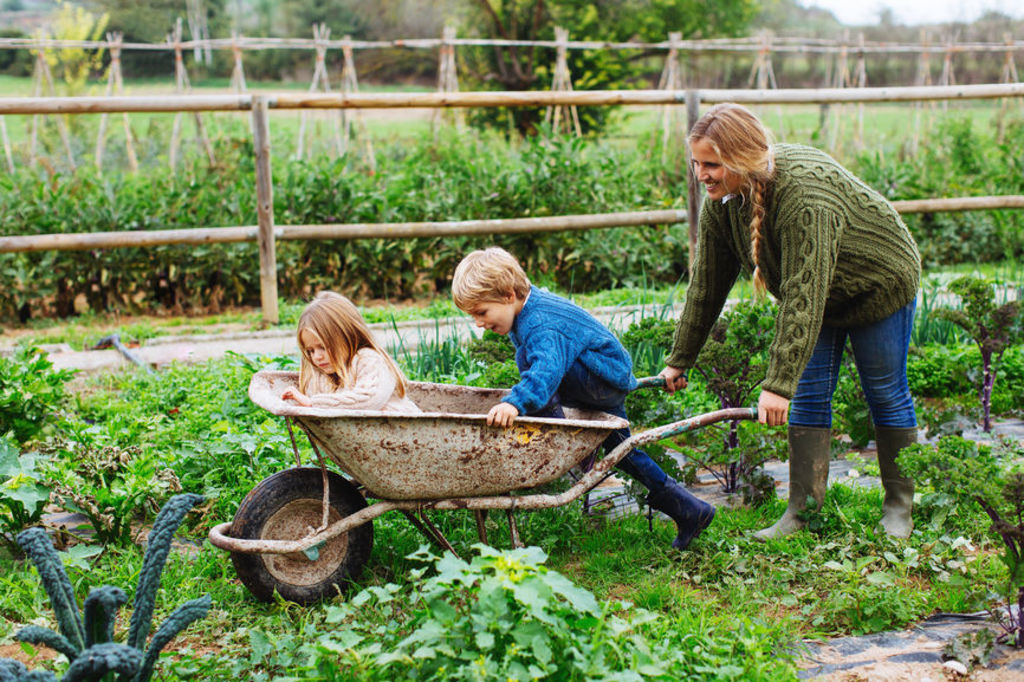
(342, 365)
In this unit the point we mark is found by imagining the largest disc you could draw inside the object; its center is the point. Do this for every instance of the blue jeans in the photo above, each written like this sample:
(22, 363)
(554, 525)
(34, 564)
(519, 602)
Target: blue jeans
(880, 353)
(581, 389)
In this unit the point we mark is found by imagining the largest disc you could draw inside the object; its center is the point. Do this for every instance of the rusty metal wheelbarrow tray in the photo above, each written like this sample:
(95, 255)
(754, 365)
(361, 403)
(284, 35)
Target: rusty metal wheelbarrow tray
(448, 450)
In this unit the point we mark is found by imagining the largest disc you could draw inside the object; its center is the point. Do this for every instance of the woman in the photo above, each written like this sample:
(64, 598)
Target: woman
(842, 265)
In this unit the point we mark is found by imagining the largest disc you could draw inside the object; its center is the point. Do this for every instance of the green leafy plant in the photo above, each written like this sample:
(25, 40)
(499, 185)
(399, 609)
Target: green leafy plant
(732, 364)
(501, 615)
(86, 638)
(111, 485)
(992, 327)
(979, 473)
(23, 493)
(30, 392)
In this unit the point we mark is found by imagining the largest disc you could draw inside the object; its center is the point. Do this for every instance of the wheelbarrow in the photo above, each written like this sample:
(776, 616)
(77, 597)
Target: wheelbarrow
(306, 532)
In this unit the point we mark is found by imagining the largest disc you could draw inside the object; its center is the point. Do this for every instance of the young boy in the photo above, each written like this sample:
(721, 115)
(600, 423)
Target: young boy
(565, 357)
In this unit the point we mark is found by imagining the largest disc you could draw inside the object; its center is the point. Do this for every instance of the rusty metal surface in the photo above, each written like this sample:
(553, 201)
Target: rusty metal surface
(448, 451)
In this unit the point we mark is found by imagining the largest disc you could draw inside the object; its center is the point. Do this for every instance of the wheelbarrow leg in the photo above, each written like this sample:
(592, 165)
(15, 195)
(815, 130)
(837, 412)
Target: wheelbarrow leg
(427, 528)
(481, 527)
(513, 529)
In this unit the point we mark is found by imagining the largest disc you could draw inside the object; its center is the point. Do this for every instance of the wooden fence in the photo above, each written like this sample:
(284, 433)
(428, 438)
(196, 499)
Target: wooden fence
(266, 232)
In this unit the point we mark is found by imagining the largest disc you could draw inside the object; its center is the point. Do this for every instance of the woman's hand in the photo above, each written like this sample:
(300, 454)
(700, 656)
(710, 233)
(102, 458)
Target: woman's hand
(502, 414)
(675, 378)
(296, 395)
(772, 409)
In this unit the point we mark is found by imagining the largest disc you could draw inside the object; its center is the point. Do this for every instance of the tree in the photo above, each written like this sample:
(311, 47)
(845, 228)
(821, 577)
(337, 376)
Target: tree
(518, 68)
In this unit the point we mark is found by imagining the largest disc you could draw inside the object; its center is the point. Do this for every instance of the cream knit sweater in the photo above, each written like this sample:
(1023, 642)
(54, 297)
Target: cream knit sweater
(374, 388)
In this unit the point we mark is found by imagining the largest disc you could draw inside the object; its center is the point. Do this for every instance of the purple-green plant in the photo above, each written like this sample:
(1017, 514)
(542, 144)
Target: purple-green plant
(992, 327)
(978, 473)
(87, 638)
(733, 363)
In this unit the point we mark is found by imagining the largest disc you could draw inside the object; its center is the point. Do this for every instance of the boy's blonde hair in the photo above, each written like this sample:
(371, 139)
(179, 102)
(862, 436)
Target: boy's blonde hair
(342, 330)
(745, 147)
(488, 275)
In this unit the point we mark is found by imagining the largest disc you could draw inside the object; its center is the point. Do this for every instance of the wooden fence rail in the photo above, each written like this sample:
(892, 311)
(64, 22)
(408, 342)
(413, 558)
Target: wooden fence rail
(397, 100)
(266, 232)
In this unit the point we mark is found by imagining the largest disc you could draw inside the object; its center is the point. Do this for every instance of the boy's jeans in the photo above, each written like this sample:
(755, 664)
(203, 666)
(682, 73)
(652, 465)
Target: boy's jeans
(581, 389)
(880, 353)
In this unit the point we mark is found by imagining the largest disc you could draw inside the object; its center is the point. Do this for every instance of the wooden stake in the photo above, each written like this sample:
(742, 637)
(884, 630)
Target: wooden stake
(350, 84)
(265, 210)
(321, 81)
(40, 79)
(238, 71)
(115, 86)
(7, 145)
(692, 186)
(562, 82)
(183, 85)
(671, 79)
(447, 81)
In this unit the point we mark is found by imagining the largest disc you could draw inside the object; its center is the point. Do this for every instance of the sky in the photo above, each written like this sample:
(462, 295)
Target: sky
(911, 12)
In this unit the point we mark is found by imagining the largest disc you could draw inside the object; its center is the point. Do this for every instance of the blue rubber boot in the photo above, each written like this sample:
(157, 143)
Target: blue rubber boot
(691, 514)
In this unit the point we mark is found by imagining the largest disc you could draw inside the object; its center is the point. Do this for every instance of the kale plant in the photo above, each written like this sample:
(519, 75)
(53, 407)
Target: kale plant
(86, 638)
(993, 479)
(994, 328)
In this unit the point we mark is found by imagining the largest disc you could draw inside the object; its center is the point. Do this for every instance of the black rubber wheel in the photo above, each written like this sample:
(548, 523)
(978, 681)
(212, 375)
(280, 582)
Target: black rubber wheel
(284, 507)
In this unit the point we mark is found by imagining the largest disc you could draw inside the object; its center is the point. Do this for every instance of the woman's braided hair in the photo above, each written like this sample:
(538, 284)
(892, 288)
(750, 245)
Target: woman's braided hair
(744, 145)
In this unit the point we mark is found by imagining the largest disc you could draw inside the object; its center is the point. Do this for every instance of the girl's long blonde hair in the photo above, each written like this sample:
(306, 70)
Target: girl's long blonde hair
(745, 147)
(342, 330)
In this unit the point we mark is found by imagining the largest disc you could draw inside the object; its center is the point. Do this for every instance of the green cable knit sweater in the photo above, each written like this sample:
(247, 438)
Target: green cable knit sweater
(833, 251)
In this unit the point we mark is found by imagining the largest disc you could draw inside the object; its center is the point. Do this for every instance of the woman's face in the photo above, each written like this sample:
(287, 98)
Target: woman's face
(709, 170)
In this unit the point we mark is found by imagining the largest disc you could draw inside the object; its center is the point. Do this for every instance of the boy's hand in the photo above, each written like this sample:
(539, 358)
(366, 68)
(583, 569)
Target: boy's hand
(675, 378)
(296, 395)
(502, 414)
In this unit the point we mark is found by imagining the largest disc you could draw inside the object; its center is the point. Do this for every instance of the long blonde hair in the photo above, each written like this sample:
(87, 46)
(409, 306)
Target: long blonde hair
(342, 330)
(745, 147)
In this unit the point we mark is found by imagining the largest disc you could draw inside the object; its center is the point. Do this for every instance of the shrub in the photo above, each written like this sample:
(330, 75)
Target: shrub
(30, 392)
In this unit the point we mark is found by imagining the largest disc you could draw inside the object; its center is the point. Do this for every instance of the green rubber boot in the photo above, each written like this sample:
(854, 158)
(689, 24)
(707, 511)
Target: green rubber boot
(808, 475)
(899, 490)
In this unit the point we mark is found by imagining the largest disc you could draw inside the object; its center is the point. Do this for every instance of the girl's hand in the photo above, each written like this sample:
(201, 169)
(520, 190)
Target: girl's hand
(675, 379)
(296, 395)
(502, 414)
(772, 409)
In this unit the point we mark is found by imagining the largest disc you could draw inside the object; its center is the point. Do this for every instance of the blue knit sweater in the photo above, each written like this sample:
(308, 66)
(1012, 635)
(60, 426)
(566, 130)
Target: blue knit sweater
(550, 335)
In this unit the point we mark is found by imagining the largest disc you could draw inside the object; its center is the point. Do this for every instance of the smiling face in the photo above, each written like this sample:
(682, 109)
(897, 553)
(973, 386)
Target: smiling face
(314, 348)
(711, 172)
(497, 316)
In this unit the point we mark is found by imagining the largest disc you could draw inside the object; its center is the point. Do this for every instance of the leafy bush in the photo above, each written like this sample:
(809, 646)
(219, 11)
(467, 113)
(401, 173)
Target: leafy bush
(30, 392)
(504, 615)
(993, 479)
(23, 492)
(473, 177)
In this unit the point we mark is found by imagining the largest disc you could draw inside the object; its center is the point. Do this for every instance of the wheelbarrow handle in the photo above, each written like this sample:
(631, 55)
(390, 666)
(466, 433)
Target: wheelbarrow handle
(657, 381)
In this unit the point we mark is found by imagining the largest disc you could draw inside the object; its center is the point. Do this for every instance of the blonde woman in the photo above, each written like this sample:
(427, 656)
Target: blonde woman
(342, 365)
(842, 266)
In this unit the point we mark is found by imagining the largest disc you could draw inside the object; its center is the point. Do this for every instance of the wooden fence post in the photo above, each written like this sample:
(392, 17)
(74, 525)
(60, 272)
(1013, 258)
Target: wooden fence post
(692, 186)
(265, 210)
(42, 77)
(182, 86)
(924, 77)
